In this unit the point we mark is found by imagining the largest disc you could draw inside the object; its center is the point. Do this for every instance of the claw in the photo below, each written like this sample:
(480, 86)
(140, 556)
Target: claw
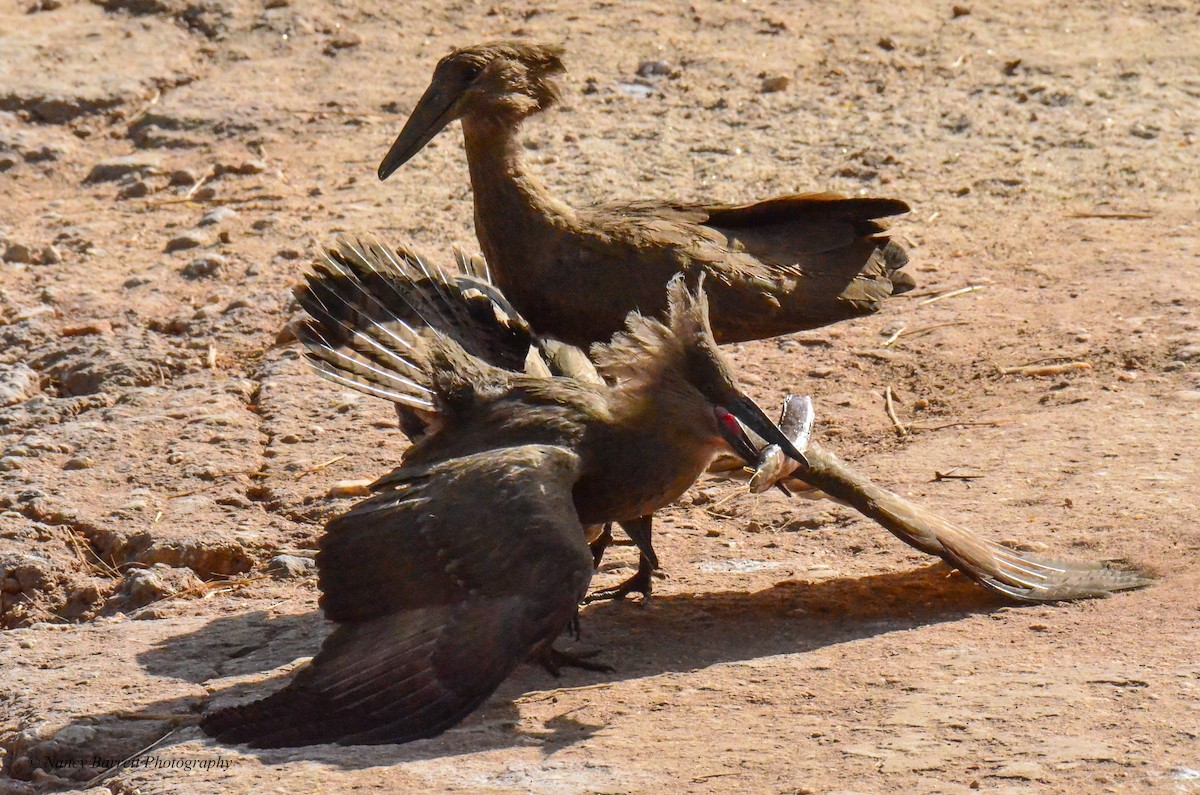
(554, 660)
(641, 582)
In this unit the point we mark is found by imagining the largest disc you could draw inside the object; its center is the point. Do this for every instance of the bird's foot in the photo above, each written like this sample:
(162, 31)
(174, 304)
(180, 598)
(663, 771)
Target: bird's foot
(642, 582)
(554, 660)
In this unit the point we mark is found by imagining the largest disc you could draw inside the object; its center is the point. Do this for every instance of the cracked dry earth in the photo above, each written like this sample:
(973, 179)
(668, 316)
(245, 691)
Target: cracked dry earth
(168, 167)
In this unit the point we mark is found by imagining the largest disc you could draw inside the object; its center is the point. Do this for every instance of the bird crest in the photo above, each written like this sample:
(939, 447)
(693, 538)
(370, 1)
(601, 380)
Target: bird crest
(647, 345)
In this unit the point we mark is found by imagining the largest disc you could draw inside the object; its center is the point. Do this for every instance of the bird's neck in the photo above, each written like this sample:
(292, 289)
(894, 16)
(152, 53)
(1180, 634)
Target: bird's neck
(513, 209)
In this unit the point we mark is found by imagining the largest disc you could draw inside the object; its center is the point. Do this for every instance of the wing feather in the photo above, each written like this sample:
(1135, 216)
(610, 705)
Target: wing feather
(439, 586)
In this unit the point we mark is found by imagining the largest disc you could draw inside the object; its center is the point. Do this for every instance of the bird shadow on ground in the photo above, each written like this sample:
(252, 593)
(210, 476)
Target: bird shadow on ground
(674, 633)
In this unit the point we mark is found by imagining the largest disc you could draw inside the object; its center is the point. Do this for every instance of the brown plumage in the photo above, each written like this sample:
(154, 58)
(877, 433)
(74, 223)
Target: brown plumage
(473, 554)
(774, 267)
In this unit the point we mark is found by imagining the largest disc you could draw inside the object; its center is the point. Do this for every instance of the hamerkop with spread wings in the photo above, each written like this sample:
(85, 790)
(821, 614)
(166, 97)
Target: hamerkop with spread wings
(473, 555)
(776, 266)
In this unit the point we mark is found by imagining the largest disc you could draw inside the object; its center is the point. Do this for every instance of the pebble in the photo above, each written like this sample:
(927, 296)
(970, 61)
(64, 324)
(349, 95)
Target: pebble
(288, 253)
(821, 372)
(289, 438)
(136, 281)
(9, 463)
(344, 41)
(205, 267)
(350, 488)
(654, 69)
(774, 83)
(263, 223)
(636, 90)
(1188, 353)
(18, 383)
(290, 567)
(245, 168)
(1025, 546)
(87, 329)
(217, 215)
(183, 176)
(134, 190)
(79, 462)
(1187, 395)
(1146, 132)
(814, 522)
(51, 255)
(184, 242)
(118, 167)
(275, 4)
(19, 253)
(143, 586)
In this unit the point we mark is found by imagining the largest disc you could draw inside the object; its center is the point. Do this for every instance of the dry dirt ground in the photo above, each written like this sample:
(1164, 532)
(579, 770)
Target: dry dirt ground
(169, 167)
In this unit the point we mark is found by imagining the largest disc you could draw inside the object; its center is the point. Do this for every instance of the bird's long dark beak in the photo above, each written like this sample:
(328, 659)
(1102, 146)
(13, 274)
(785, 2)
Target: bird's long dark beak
(432, 113)
(749, 414)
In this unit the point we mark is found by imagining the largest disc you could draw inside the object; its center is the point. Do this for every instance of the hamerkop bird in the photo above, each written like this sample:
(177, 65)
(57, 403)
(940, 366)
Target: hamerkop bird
(473, 555)
(777, 266)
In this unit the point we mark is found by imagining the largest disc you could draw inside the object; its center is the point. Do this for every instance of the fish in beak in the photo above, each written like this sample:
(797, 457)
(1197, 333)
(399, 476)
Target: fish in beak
(745, 411)
(437, 108)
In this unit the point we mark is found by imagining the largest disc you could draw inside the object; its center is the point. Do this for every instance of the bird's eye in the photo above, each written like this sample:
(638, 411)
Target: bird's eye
(472, 71)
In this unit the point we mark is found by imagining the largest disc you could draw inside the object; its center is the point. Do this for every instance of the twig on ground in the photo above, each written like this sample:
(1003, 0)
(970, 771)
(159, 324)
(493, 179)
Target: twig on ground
(128, 759)
(542, 695)
(962, 424)
(917, 332)
(1045, 369)
(1113, 216)
(145, 109)
(895, 336)
(960, 291)
(321, 466)
(100, 565)
(891, 412)
(939, 476)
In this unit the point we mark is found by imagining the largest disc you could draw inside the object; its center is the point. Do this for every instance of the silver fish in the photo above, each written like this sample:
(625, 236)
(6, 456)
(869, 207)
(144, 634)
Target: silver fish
(796, 421)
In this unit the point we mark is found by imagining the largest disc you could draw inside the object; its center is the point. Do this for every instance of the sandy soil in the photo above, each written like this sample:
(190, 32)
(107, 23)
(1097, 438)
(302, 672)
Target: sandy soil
(167, 168)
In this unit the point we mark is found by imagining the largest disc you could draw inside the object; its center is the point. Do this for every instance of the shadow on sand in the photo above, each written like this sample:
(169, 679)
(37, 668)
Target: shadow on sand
(675, 633)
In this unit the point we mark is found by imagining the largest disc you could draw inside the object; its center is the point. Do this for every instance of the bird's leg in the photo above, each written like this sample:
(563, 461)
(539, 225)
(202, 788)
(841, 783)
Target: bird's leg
(601, 544)
(554, 661)
(642, 581)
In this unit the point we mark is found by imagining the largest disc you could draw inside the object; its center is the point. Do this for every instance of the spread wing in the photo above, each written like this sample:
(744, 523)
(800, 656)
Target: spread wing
(440, 587)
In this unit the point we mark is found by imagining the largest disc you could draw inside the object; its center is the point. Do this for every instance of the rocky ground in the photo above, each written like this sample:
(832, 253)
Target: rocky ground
(168, 167)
